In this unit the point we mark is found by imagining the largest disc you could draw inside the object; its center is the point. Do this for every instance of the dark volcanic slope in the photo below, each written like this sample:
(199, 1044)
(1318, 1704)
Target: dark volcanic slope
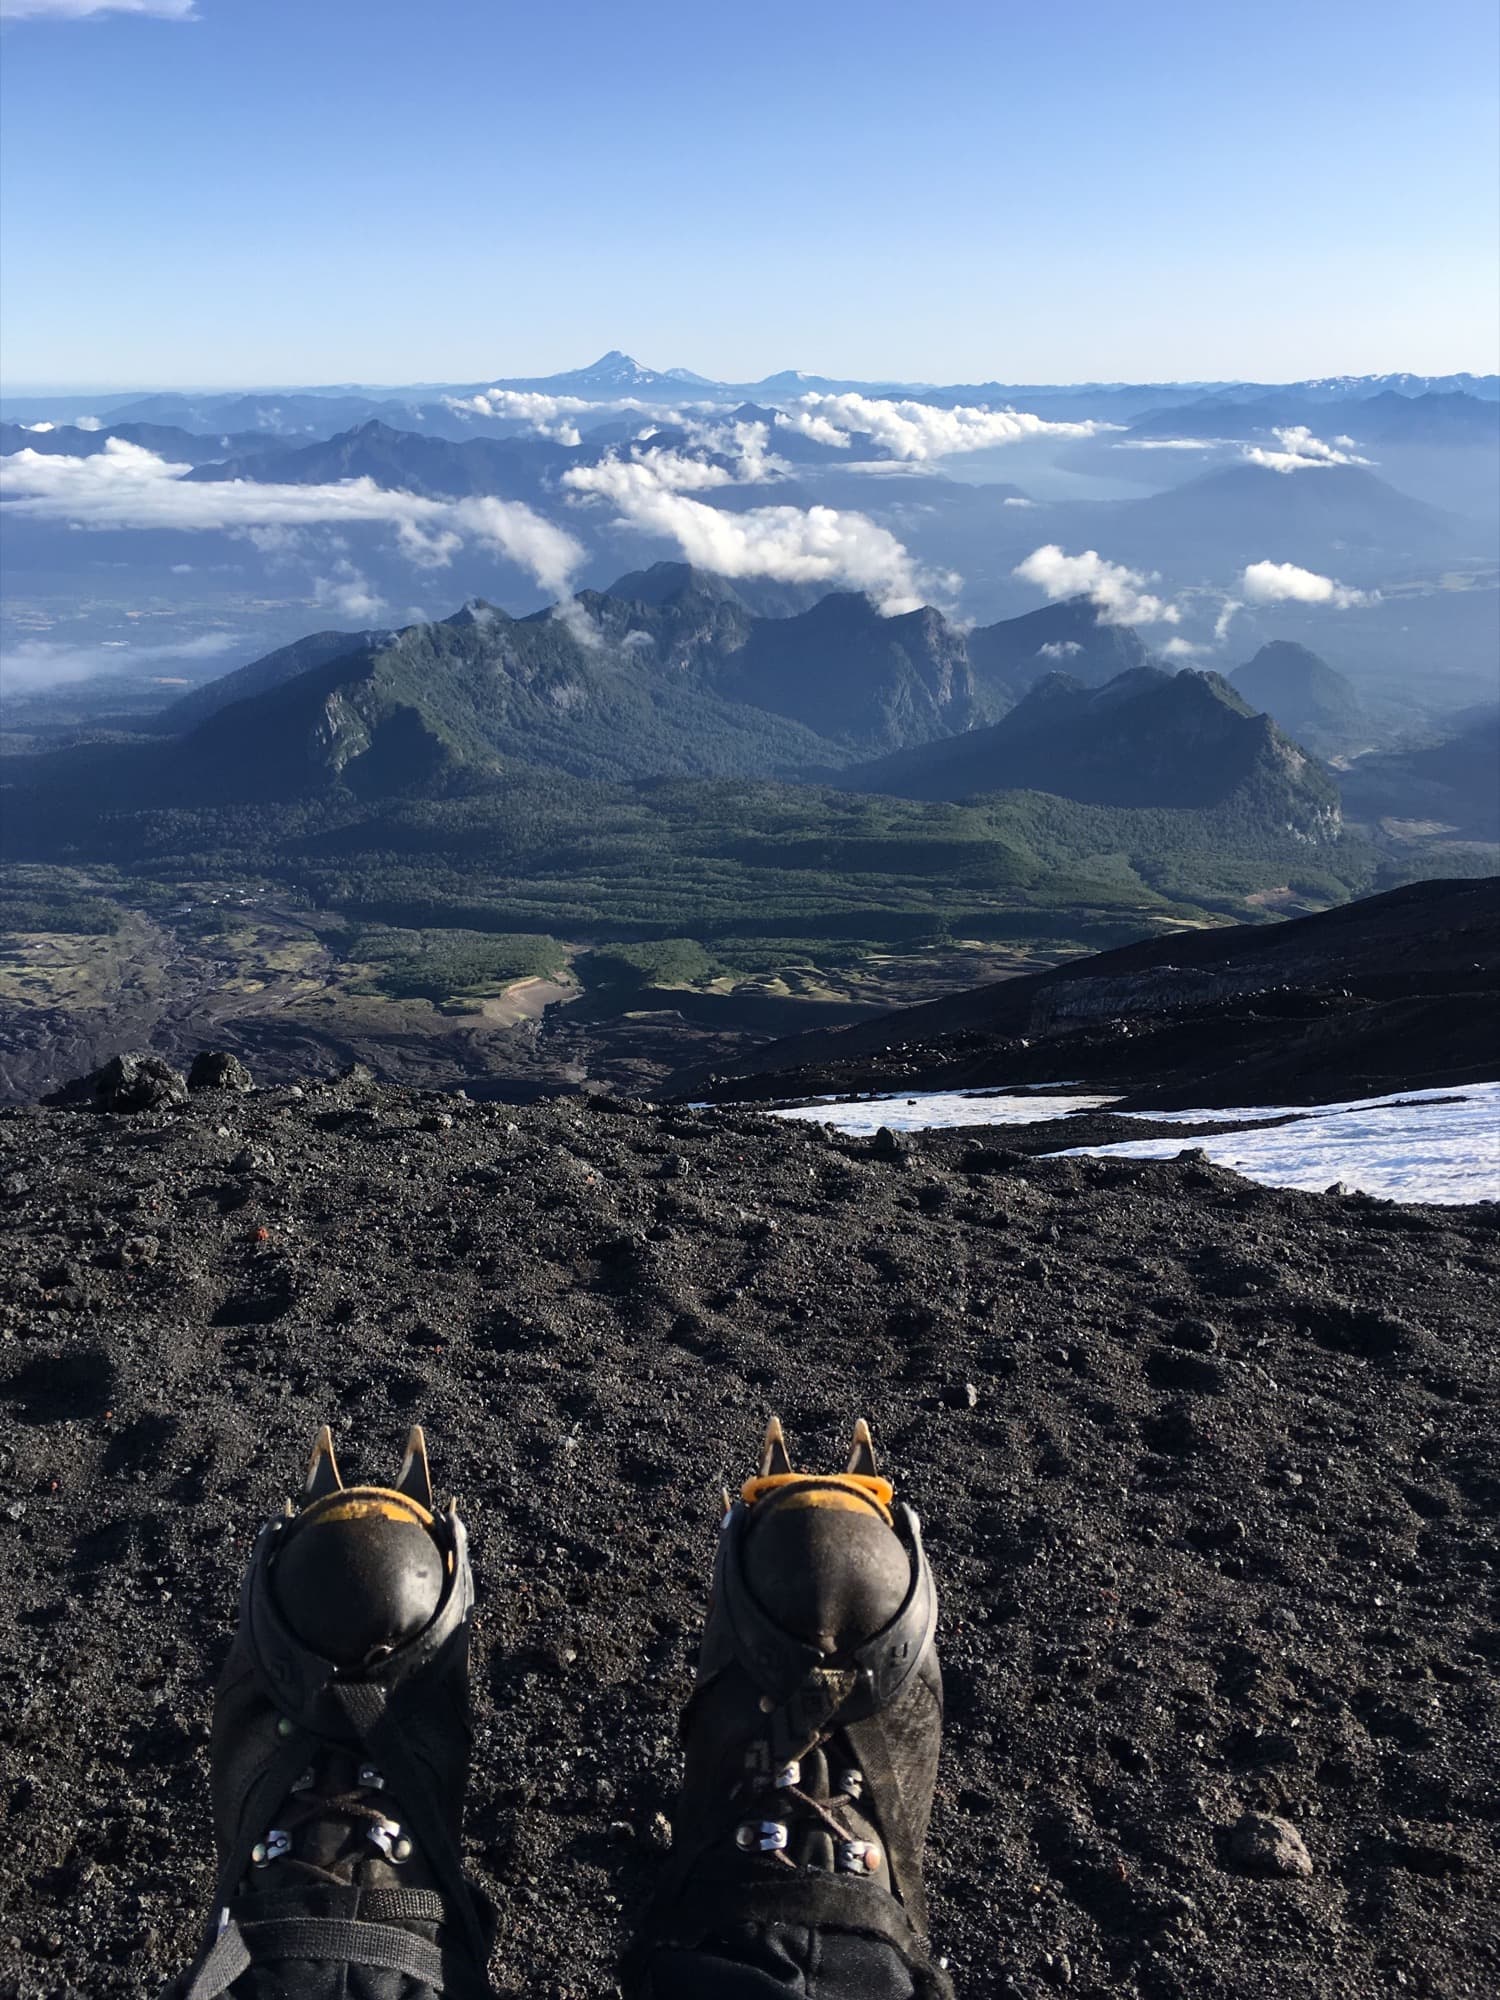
(1394, 992)
(1209, 1475)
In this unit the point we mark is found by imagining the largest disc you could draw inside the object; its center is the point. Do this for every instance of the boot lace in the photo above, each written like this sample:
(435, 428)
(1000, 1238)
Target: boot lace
(309, 1804)
(812, 1806)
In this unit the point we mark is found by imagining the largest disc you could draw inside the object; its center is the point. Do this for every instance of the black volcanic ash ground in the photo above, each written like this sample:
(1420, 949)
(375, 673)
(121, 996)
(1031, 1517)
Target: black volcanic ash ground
(1209, 1474)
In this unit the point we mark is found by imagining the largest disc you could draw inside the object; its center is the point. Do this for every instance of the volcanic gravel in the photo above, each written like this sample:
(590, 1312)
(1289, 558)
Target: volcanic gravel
(1209, 1474)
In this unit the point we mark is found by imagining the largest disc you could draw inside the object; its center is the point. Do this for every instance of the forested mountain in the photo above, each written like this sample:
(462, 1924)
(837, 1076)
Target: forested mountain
(765, 596)
(1148, 738)
(285, 664)
(671, 637)
(1310, 699)
(440, 705)
(855, 676)
(1010, 657)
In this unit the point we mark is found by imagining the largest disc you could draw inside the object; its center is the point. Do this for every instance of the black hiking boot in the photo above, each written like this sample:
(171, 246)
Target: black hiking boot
(340, 1754)
(811, 1742)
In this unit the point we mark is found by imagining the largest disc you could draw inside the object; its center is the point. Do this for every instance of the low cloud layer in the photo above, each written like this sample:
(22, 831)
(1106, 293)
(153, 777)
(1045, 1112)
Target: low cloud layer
(32, 664)
(1285, 583)
(1119, 594)
(1301, 451)
(125, 486)
(348, 592)
(917, 430)
(1169, 444)
(81, 10)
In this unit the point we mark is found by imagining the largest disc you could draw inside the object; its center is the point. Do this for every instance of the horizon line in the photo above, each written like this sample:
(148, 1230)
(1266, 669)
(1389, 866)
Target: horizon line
(12, 390)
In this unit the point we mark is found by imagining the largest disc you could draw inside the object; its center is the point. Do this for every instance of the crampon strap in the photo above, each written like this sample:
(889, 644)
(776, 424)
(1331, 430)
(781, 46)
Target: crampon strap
(326, 1940)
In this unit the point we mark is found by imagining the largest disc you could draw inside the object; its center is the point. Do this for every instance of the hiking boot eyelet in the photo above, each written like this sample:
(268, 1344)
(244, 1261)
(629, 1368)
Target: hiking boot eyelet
(764, 1836)
(858, 1857)
(275, 1844)
(386, 1835)
(370, 1779)
(789, 1774)
(852, 1784)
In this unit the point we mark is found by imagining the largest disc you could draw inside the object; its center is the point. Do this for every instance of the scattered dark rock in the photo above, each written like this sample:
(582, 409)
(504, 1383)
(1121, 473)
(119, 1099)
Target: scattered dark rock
(126, 1083)
(216, 1069)
(1263, 1844)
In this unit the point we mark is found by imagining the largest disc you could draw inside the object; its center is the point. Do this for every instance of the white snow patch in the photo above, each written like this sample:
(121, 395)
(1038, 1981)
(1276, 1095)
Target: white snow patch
(1419, 1145)
(1415, 1145)
(933, 1109)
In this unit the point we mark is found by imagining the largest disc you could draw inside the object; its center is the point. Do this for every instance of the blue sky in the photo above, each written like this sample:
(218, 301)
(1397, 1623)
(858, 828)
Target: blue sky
(279, 191)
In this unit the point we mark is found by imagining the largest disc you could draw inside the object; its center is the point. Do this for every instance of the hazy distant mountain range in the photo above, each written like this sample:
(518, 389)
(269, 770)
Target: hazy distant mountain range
(1370, 507)
(1389, 416)
(615, 376)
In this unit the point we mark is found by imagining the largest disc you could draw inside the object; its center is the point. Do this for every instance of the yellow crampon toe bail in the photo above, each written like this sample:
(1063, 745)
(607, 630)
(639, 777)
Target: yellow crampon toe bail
(358, 1571)
(326, 1499)
(857, 1489)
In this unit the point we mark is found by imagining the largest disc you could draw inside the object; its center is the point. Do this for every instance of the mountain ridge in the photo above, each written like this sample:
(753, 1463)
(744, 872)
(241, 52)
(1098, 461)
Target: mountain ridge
(1185, 741)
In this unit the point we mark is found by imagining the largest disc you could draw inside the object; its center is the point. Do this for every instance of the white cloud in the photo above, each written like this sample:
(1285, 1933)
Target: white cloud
(31, 664)
(625, 480)
(125, 486)
(548, 416)
(1300, 450)
(575, 620)
(729, 454)
(1119, 593)
(1285, 583)
(553, 416)
(1059, 649)
(1168, 444)
(80, 10)
(1016, 500)
(918, 430)
(746, 444)
(348, 592)
(38, 428)
(1181, 649)
(790, 544)
(1225, 619)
